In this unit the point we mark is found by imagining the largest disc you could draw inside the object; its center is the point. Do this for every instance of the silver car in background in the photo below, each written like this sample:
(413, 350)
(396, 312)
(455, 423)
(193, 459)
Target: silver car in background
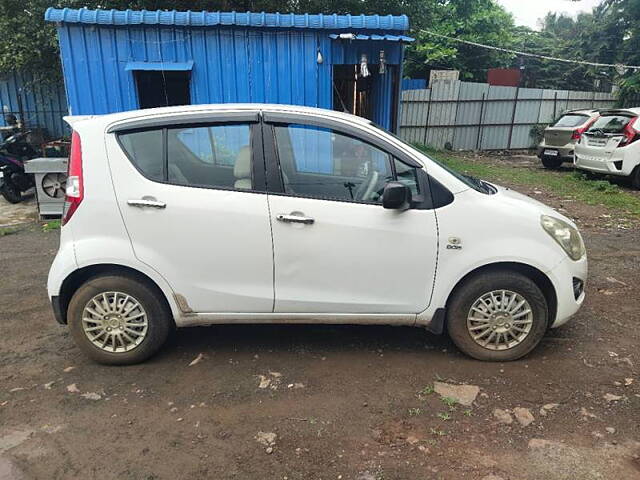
(560, 138)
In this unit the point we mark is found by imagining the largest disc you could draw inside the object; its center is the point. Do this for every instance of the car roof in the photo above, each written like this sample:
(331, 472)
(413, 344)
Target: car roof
(614, 111)
(221, 107)
(582, 111)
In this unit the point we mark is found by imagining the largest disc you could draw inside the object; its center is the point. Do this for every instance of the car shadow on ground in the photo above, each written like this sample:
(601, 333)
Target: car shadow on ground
(250, 339)
(294, 338)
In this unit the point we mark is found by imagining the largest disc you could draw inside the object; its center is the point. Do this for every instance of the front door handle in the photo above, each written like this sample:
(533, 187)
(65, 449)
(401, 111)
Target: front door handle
(291, 218)
(143, 202)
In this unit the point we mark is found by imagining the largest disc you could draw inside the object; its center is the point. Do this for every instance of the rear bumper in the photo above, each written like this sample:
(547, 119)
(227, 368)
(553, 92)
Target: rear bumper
(615, 164)
(565, 153)
(569, 299)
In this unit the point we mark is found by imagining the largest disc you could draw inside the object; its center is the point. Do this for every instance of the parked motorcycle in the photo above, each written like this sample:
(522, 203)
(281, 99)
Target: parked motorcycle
(14, 151)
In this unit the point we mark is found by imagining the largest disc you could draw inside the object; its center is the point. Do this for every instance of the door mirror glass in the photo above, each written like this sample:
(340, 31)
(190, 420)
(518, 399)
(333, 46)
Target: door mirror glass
(396, 196)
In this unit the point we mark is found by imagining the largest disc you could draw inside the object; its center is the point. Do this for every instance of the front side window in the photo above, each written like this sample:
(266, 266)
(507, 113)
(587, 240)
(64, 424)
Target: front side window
(320, 162)
(216, 156)
(407, 175)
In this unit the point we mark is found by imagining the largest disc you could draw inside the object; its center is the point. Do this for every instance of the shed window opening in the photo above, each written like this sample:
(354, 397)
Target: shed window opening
(321, 162)
(201, 156)
(159, 88)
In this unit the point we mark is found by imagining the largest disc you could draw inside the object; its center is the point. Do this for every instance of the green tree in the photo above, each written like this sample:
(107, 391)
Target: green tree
(480, 21)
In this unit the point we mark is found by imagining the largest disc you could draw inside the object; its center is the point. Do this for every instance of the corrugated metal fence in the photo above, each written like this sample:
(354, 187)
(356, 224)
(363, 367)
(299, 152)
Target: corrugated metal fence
(478, 116)
(35, 104)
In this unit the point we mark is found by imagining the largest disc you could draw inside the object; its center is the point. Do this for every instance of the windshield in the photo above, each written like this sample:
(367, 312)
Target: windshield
(470, 181)
(571, 120)
(473, 182)
(610, 124)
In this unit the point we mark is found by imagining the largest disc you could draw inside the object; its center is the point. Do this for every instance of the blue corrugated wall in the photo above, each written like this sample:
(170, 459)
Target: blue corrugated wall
(231, 64)
(414, 83)
(43, 105)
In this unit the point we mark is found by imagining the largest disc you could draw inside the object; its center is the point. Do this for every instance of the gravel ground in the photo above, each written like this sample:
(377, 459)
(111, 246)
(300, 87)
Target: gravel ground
(325, 402)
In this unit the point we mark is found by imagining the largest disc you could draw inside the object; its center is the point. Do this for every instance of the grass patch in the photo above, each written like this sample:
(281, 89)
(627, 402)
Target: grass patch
(444, 416)
(7, 231)
(51, 226)
(574, 185)
(428, 390)
(449, 402)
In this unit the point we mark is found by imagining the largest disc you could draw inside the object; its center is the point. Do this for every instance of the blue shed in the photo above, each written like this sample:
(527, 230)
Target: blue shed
(33, 104)
(122, 60)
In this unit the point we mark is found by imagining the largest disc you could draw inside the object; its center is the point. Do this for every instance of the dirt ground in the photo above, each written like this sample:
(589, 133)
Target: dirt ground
(324, 402)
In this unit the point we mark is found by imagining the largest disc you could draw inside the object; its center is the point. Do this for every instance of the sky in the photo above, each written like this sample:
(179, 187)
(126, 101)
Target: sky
(527, 12)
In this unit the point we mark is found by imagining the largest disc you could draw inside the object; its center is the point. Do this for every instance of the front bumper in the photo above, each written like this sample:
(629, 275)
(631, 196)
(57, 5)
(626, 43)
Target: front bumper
(570, 296)
(56, 305)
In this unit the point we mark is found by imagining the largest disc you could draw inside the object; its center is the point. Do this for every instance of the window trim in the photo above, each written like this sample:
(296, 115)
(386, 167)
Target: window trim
(275, 181)
(258, 183)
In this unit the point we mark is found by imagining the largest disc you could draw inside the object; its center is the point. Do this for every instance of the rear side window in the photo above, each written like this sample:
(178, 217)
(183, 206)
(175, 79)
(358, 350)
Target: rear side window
(211, 156)
(610, 124)
(571, 120)
(145, 151)
(216, 156)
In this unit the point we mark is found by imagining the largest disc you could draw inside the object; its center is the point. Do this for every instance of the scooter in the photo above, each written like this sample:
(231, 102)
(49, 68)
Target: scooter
(14, 151)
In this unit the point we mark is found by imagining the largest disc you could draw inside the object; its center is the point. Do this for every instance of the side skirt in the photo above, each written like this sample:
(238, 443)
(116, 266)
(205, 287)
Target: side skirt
(197, 319)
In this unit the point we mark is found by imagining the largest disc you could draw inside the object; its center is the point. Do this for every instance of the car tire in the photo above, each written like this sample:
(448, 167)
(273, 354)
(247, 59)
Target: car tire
(635, 178)
(515, 286)
(552, 163)
(120, 293)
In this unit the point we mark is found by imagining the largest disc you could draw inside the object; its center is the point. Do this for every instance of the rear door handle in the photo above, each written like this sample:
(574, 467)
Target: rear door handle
(290, 218)
(143, 202)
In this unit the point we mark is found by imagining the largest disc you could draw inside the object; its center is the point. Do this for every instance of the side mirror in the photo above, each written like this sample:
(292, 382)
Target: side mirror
(396, 196)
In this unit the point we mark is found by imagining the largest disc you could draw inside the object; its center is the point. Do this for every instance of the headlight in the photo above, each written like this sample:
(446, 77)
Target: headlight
(567, 237)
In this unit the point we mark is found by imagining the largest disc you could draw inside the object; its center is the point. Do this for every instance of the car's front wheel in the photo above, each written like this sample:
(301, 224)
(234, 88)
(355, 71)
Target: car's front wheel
(118, 320)
(497, 316)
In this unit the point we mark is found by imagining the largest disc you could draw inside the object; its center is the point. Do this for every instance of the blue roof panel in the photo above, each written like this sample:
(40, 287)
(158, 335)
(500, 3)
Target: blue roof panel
(246, 19)
(359, 36)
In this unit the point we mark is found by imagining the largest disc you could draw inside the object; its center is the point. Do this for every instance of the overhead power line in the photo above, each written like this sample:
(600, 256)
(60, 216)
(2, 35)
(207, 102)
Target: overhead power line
(619, 67)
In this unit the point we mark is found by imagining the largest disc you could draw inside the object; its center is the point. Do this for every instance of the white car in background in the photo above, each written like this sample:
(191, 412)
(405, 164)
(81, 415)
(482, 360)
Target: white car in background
(258, 213)
(610, 146)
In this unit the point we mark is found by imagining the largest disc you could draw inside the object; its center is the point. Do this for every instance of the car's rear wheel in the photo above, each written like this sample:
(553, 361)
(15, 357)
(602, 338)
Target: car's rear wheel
(550, 162)
(635, 178)
(497, 316)
(118, 320)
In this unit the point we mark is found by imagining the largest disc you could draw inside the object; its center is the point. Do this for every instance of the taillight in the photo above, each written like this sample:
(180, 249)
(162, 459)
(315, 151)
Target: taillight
(75, 184)
(630, 133)
(577, 134)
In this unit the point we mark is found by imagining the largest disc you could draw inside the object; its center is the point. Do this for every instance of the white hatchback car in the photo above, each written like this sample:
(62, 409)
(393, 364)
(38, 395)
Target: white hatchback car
(277, 214)
(611, 145)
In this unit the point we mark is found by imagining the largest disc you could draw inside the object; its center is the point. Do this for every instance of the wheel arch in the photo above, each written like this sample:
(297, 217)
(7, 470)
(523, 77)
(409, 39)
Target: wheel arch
(78, 277)
(537, 276)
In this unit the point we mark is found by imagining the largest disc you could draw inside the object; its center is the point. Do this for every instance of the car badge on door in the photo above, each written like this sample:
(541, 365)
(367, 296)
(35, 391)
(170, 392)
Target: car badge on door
(454, 243)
